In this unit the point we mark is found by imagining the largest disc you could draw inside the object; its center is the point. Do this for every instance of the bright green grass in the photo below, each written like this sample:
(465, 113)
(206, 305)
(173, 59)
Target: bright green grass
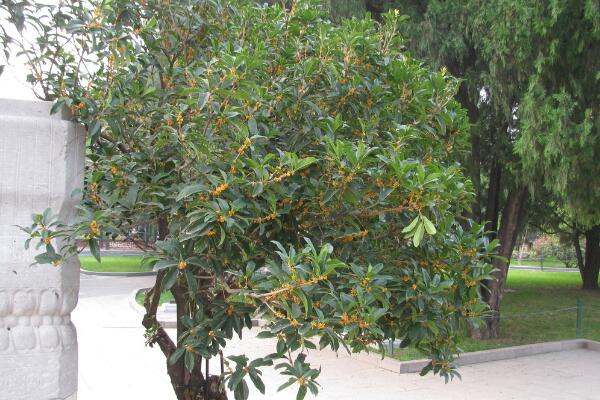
(539, 307)
(114, 264)
(549, 262)
(165, 297)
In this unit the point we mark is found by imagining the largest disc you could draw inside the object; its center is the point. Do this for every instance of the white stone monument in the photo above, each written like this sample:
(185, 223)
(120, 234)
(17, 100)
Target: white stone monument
(41, 164)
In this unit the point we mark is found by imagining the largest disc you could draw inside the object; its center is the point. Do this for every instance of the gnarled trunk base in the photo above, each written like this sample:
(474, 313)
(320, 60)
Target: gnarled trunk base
(589, 274)
(199, 389)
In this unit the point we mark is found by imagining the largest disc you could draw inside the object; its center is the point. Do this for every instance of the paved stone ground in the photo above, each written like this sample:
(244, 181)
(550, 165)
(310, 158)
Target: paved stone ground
(115, 364)
(113, 361)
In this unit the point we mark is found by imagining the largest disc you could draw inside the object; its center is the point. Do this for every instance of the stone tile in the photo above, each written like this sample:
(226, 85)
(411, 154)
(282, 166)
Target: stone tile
(115, 364)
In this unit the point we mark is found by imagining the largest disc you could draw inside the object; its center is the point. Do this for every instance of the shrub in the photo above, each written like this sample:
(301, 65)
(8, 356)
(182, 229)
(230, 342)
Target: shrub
(553, 246)
(297, 169)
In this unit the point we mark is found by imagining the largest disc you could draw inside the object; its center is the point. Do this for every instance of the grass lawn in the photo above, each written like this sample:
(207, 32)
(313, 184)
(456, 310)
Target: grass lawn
(549, 262)
(539, 307)
(114, 264)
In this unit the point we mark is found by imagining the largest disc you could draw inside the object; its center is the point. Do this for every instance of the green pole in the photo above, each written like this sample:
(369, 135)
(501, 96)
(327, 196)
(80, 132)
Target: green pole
(579, 318)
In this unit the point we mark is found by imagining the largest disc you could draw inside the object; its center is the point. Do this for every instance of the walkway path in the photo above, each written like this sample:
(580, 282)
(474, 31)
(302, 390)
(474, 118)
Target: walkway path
(113, 360)
(115, 364)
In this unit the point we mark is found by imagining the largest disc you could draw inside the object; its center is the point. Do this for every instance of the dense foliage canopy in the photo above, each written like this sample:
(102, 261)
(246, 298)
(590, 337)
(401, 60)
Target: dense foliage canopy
(297, 169)
(560, 141)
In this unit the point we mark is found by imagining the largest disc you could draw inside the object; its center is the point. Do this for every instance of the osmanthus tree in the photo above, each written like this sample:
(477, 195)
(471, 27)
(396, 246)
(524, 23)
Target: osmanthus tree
(297, 169)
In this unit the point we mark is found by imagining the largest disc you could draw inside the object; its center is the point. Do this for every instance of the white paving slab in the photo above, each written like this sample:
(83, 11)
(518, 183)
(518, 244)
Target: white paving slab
(115, 364)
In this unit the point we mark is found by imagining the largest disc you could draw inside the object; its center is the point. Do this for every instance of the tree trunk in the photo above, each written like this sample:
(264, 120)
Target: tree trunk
(492, 290)
(376, 8)
(580, 261)
(475, 160)
(194, 385)
(492, 209)
(592, 259)
(475, 172)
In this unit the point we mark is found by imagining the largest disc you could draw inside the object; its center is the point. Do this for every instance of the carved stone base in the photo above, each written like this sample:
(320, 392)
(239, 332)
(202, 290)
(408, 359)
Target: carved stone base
(41, 164)
(36, 375)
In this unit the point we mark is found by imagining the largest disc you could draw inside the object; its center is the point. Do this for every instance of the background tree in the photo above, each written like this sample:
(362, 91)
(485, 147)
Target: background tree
(560, 138)
(345, 8)
(296, 169)
(549, 218)
(524, 55)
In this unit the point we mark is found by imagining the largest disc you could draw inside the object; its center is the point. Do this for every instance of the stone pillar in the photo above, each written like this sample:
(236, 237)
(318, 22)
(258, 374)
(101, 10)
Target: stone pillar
(41, 164)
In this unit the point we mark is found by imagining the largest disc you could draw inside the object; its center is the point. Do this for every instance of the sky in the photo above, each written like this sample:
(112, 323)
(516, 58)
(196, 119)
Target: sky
(13, 84)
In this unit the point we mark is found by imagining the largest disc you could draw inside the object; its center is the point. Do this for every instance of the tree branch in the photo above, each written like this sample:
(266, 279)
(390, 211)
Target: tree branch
(123, 147)
(151, 302)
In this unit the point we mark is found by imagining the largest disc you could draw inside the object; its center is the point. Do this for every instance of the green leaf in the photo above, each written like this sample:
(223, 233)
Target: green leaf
(94, 130)
(191, 189)
(304, 299)
(289, 383)
(162, 264)
(258, 189)
(132, 195)
(419, 232)
(301, 392)
(310, 65)
(425, 370)
(203, 100)
(237, 377)
(258, 383)
(242, 360)
(223, 236)
(411, 226)
(305, 162)
(261, 362)
(176, 355)
(241, 391)
(47, 258)
(329, 195)
(189, 360)
(433, 328)
(169, 279)
(492, 245)
(429, 227)
(252, 126)
(94, 248)
(57, 106)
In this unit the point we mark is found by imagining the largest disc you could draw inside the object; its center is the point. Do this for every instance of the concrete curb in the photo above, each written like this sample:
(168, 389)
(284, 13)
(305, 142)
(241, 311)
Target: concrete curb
(592, 345)
(121, 274)
(476, 357)
(134, 304)
(167, 323)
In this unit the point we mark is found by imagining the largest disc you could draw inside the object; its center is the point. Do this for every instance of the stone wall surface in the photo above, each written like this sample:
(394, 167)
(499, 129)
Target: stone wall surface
(41, 166)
